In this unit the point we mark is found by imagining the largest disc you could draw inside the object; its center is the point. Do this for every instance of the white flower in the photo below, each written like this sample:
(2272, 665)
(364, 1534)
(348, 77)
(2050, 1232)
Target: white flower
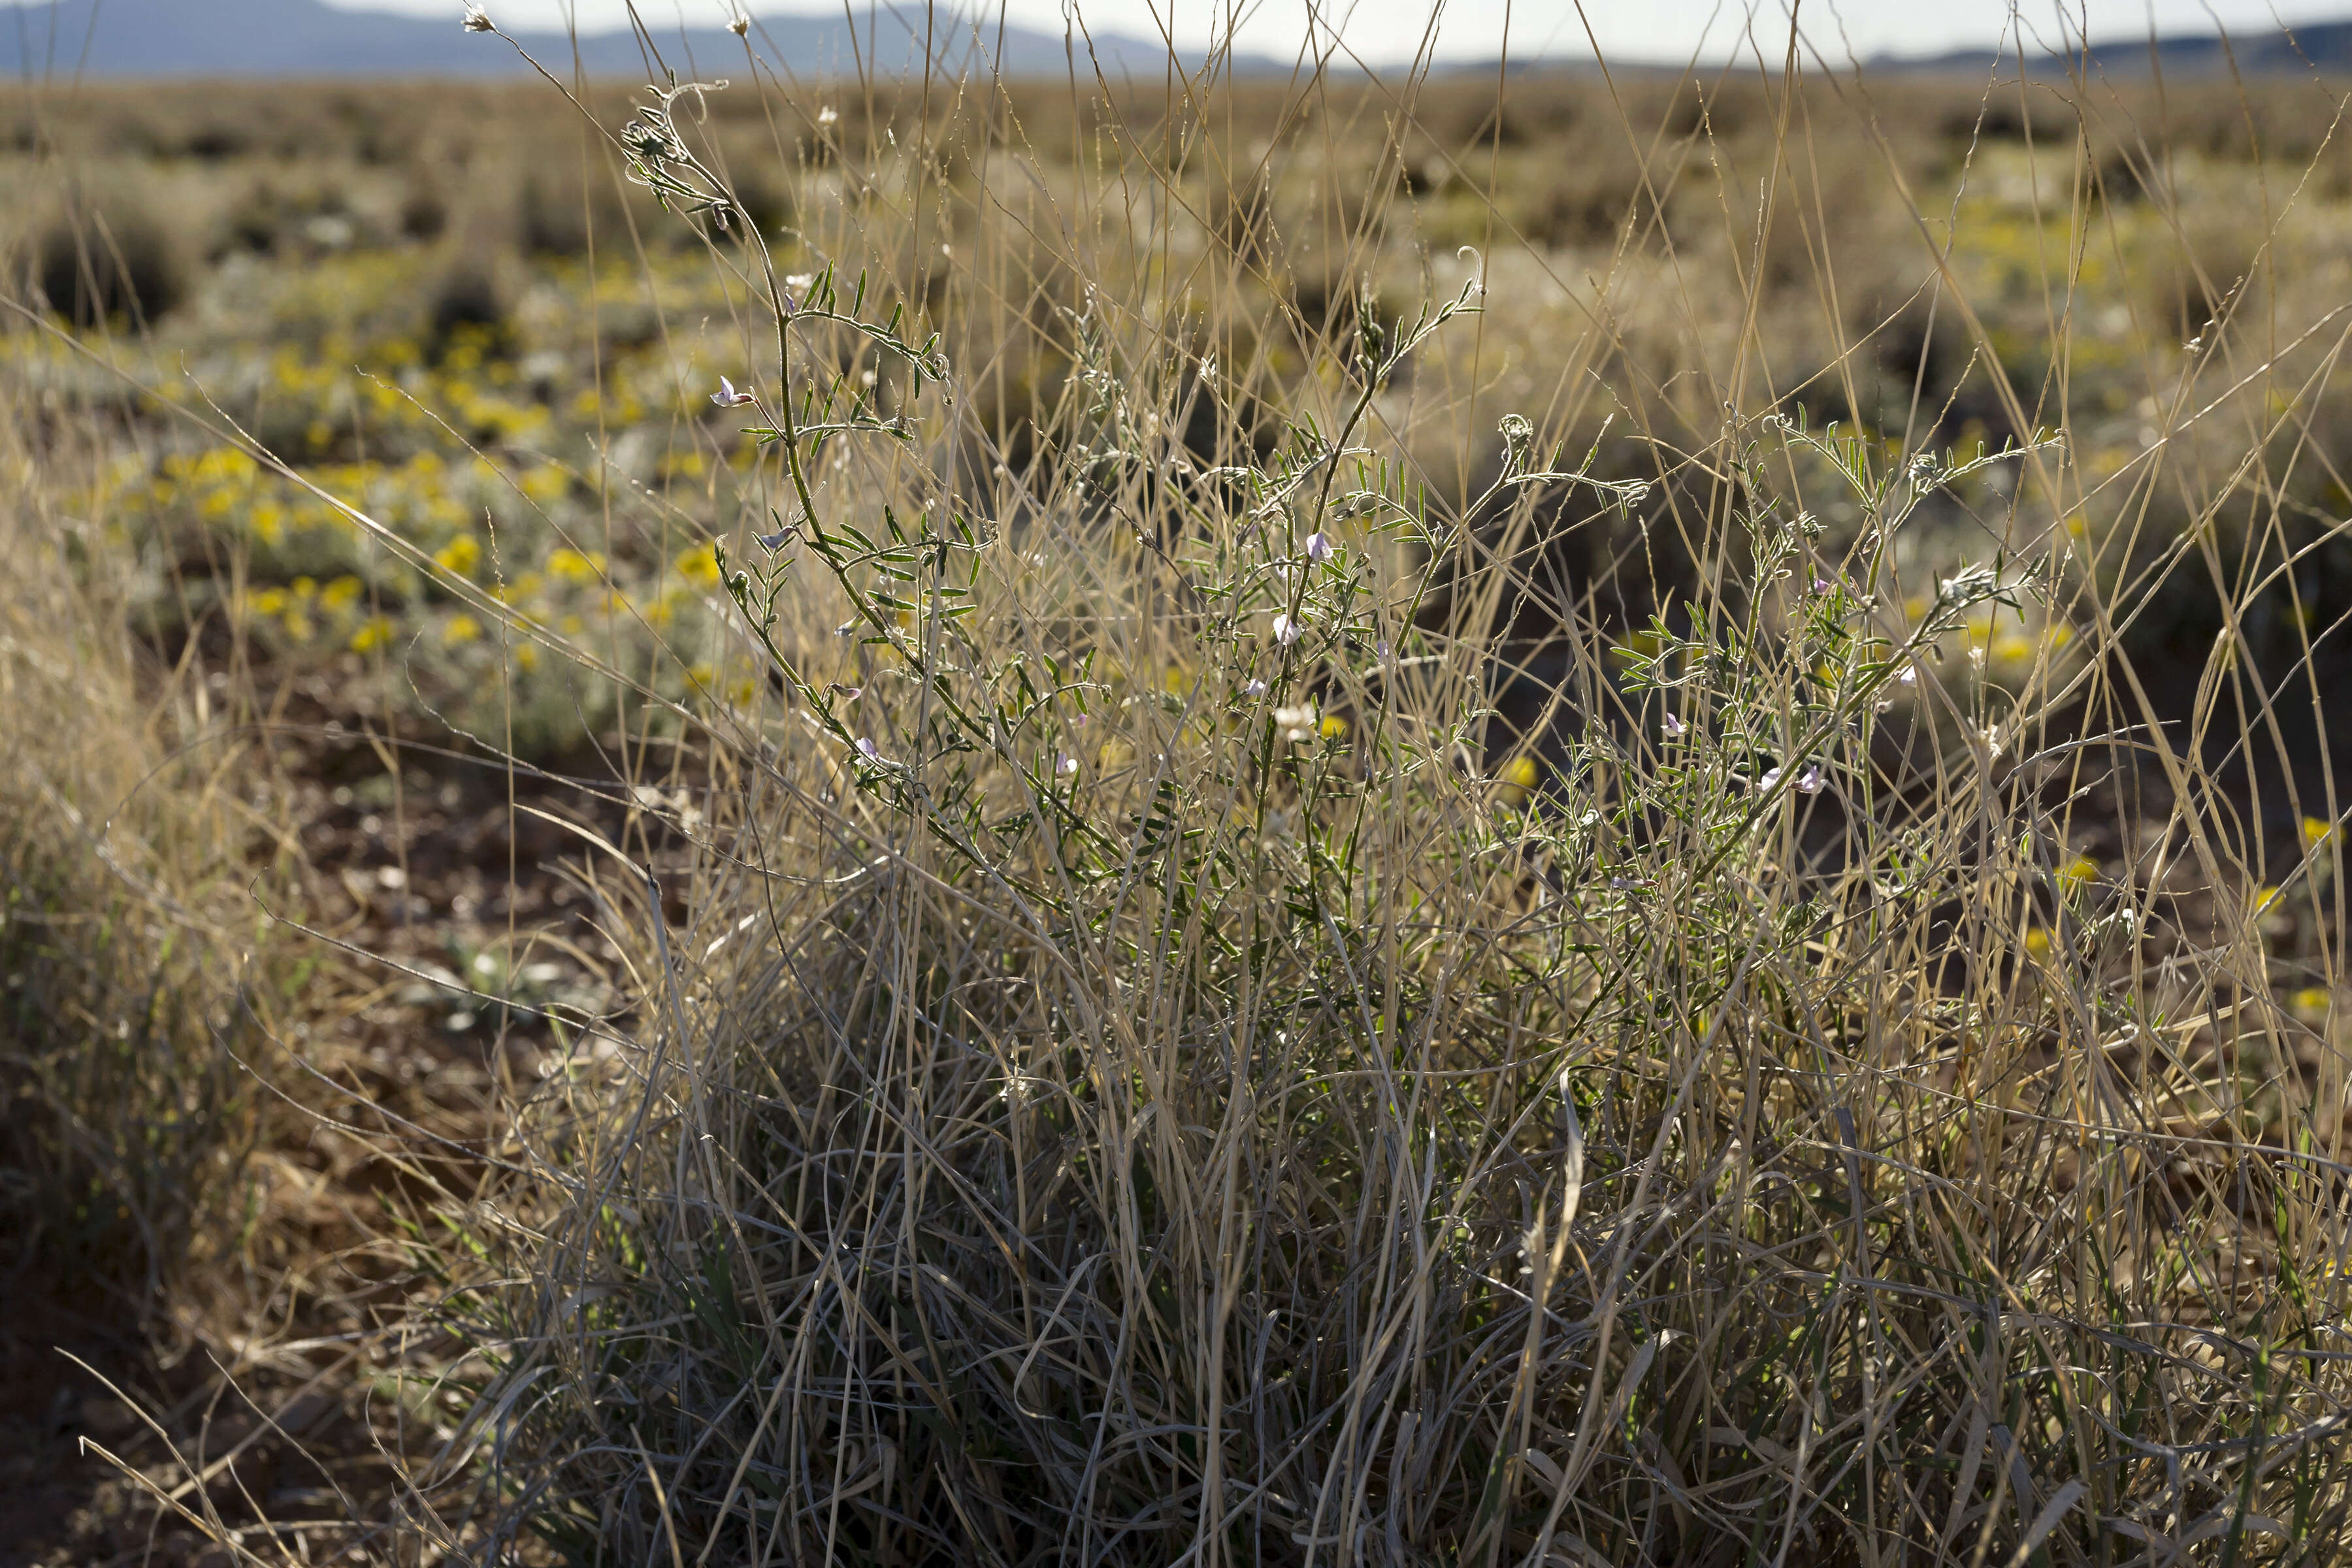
(739, 24)
(1297, 725)
(1318, 548)
(1910, 676)
(1255, 689)
(1285, 630)
(1769, 779)
(827, 115)
(726, 396)
(797, 281)
(478, 21)
(1067, 765)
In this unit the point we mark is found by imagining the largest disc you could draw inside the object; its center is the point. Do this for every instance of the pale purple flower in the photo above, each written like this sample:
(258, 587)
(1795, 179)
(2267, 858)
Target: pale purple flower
(728, 397)
(1255, 689)
(1821, 584)
(1673, 727)
(1285, 630)
(1318, 548)
(1067, 765)
(1809, 782)
(867, 749)
(1769, 779)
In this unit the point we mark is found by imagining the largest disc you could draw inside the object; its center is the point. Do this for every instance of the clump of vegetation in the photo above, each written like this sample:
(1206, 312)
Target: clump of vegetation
(1150, 1070)
(112, 262)
(124, 972)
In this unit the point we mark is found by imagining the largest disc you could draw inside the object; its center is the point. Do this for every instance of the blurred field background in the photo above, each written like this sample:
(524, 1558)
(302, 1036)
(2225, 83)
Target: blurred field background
(493, 1076)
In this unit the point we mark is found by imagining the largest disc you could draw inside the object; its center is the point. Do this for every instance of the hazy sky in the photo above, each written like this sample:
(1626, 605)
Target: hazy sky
(1388, 30)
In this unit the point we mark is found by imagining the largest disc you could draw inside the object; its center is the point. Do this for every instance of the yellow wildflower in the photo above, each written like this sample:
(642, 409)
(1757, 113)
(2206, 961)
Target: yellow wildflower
(2037, 941)
(2266, 897)
(571, 566)
(2311, 1001)
(373, 633)
(1517, 781)
(342, 594)
(460, 555)
(458, 630)
(546, 484)
(2077, 872)
(699, 566)
(2316, 831)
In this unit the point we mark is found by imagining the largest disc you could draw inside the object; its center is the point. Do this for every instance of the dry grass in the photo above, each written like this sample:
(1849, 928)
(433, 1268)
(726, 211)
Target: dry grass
(1742, 990)
(124, 968)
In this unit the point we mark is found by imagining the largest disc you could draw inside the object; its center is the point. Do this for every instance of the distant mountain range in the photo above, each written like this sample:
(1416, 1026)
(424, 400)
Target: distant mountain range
(2268, 51)
(57, 38)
